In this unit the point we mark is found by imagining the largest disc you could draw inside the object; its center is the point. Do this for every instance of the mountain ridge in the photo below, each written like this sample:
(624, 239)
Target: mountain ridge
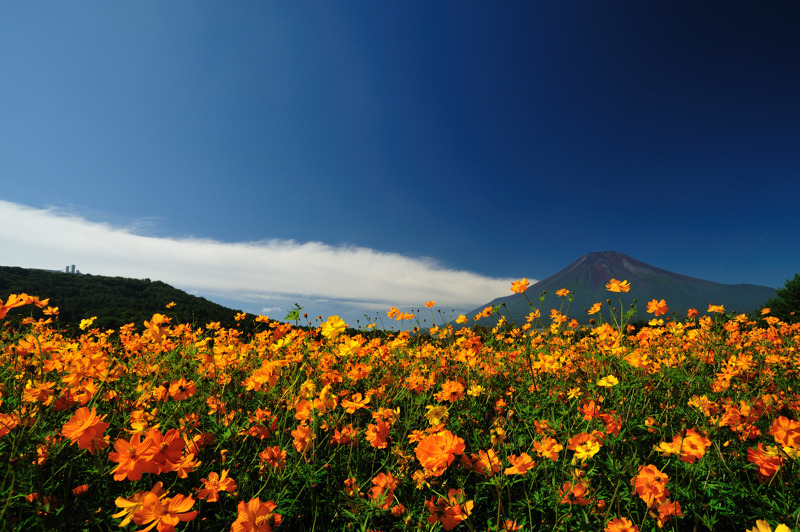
(114, 300)
(587, 276)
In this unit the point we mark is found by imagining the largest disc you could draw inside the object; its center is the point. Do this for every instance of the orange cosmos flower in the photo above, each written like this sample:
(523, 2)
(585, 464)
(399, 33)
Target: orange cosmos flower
(618, 286)
(186, 465)
(621, 524)
(768, 460)
(86, 428)
(520, 286)
(562, 292)
(214, 484)
(557, 316)
(377, 433)
(132, 456)
(355, 402)
(535, 315)
(693, 446)
(520, 465)
(487, 463)
(430, 304)
(716, 308)
(302, 438)
(359, 371)
(13, 301)
(659, 308)
(666, 509)
(168, 450)
(182, 389)
(651, 484)
(38, 392)
(689, 447)
(164, 513)
(382, 491)
(548, 448)
(344, 435)
(274, 456)
(612, 422)
(8, 422)
(158, 327)
(786, 432)
(573, 493)
(452, 391)
(450, 511)
(351, 488)
(136, 502)
(41, 303)
(256, 516)
(542, 427)
(437, 451)
(595, 308)
(83, 489)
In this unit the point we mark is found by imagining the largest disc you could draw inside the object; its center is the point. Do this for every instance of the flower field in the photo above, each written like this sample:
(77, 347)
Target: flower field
(688, 423)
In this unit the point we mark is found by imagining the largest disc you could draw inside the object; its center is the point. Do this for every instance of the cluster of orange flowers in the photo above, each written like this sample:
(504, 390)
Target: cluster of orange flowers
(154, 403)
(651, 486)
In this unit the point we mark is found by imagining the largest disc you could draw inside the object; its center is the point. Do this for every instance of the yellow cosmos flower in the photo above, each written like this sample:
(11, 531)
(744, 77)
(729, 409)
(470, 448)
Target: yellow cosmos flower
(608, 382)
(333, 327)
(475, 390)
(573, 393)
(763, 526)
(86, 323)
(436, 414)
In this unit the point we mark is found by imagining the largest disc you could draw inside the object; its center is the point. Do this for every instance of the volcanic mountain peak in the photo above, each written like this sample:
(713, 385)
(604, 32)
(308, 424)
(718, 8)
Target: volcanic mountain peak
(595, 269)
(586, 278)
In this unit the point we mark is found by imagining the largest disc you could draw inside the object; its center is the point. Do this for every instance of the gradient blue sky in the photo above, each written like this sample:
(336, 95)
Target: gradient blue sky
(411, 144)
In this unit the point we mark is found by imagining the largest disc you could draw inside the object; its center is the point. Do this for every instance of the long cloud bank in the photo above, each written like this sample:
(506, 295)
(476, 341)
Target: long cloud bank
(277, 269)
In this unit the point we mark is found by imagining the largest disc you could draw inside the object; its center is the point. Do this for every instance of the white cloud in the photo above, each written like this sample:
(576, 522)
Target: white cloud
(268, 274)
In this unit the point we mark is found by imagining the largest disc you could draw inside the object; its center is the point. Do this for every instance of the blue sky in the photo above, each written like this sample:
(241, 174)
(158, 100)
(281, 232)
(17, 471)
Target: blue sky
(356, 155)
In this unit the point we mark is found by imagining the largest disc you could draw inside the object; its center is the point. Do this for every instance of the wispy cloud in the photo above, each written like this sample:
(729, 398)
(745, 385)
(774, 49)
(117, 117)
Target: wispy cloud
(265, 274)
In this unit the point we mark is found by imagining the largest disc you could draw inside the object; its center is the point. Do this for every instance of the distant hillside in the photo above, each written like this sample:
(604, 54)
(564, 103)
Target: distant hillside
(587, 278)
(114, 300)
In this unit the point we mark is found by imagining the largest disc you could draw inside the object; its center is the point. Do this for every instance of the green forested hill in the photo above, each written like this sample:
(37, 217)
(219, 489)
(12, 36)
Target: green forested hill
(114, 300)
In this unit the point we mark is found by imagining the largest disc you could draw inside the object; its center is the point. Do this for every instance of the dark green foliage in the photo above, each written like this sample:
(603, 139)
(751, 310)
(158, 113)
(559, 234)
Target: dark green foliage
(786, 303)
(114, 300)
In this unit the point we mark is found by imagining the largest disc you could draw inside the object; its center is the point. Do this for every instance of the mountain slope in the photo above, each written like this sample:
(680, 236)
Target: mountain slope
(587, 278)
(114, 300)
